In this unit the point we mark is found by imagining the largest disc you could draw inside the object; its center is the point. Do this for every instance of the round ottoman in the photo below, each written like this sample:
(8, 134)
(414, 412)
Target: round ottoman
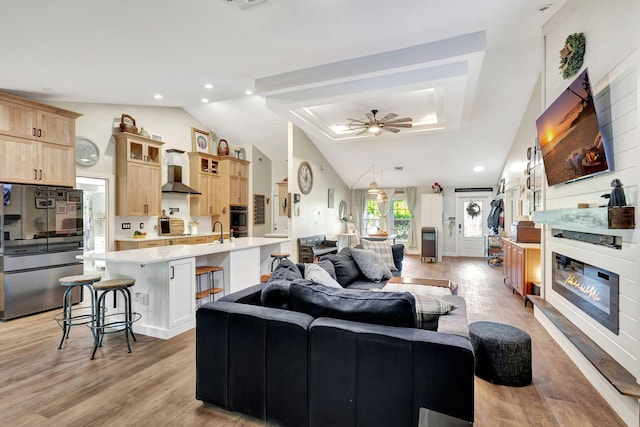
(503, 353)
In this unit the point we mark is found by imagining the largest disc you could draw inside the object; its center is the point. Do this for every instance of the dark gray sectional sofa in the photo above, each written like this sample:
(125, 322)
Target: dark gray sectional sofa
(291, 369)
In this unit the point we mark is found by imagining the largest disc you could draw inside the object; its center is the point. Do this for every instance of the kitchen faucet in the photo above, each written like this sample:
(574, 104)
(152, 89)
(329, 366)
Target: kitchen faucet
(213, 230)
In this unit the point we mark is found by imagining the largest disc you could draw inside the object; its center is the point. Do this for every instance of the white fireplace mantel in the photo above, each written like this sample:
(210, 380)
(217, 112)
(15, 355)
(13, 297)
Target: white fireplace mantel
(588, 220)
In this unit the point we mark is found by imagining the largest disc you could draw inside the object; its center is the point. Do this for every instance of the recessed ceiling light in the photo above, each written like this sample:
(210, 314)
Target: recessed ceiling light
(248, 92)
(478, 168)
(157, 96)
(208, 86)
(204, 100)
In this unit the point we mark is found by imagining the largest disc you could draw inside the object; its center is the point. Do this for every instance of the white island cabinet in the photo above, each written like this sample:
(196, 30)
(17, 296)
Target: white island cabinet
(164, 292)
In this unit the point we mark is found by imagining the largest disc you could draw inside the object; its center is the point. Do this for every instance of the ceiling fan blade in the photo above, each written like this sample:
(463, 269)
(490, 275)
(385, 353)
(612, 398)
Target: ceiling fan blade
(362, 131)
(403, 119)
(394, 130)
(356, 120)
(372, 118)
(399, 125)
(378, 133)
(387, 117)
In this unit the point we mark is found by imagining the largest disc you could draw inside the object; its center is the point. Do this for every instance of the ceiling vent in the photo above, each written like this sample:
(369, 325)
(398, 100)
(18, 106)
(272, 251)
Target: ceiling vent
(244, 4)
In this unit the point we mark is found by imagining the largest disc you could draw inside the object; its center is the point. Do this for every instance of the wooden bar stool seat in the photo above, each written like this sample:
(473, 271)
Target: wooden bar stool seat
(277, 258)
(210, 290)
(80, 316)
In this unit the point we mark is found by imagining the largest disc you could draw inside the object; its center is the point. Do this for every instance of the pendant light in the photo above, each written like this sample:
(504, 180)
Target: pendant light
(382, 196)
(373, 187)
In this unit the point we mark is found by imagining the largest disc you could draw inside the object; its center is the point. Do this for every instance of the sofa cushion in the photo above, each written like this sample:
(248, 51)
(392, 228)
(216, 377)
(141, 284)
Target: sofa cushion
(317, 274)
(276, 291)
(371, 264)
(382, 248)
(382, 308)
(346, 268)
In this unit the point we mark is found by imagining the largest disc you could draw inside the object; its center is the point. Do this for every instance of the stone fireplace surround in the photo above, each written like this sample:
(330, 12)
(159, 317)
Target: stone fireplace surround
(603, 346)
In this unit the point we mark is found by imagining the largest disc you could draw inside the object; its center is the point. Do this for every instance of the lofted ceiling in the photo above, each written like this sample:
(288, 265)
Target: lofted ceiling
(463, 71)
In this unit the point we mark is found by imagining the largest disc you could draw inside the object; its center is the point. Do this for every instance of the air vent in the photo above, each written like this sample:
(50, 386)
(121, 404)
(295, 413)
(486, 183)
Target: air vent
(244, 4)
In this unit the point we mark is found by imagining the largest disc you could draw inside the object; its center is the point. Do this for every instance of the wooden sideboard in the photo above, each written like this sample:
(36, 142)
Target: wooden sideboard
(521, 263)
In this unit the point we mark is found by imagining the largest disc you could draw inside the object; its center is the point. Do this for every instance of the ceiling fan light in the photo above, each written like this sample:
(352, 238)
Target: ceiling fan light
(374, 129)
(373, 188)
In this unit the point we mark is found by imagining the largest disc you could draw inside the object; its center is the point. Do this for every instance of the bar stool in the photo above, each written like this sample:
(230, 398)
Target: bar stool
(67, 318)
(277, 258)
(211, 290)
(122, 321)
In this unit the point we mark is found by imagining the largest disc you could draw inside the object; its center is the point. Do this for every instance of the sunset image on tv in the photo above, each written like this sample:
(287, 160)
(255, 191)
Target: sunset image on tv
(569, 135)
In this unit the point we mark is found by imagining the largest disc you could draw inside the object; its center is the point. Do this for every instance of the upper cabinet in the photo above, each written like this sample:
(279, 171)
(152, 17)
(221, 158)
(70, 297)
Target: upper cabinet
(236, 172)
(138, 175)
(204, 177)
(37, 143)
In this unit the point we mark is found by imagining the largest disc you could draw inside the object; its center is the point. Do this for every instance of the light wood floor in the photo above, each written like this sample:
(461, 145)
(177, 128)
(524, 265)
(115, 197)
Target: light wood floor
(155, 385)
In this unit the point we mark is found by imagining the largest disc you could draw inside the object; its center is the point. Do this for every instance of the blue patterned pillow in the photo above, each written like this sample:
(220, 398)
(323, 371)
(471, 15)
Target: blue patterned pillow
(371, 264)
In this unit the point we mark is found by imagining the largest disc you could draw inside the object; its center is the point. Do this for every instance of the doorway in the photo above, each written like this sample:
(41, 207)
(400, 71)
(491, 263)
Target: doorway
(471, 213)
(96, 218)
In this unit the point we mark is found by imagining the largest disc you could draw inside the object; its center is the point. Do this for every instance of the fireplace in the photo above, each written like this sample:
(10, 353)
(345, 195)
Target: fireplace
(591, 289)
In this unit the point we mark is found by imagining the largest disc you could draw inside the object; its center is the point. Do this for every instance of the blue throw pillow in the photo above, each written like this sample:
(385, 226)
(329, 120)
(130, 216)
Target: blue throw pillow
(346, 269)
(371, 265)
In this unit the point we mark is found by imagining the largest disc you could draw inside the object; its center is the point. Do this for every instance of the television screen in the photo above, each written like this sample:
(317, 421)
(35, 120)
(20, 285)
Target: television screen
(570, 138)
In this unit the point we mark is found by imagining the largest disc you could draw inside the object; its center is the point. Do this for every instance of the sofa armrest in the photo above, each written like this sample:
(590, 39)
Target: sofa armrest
(242, 348)
(250, 295)
(363, 374)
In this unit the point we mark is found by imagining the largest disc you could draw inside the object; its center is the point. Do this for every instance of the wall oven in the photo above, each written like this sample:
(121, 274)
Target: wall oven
(42, 236)
(238, 218)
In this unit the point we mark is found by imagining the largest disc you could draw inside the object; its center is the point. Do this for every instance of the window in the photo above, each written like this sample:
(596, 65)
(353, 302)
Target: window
(398, 213)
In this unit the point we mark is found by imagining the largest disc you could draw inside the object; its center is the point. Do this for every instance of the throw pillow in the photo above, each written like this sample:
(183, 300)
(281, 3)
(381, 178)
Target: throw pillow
(317, 274)
(381, 308)
(371, 264)
(328, 265)
(429, 308)
(346, 269)
(382, 248)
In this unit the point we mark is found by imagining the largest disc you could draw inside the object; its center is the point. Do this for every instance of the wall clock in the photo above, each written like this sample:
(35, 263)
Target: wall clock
(305, 177)
(87, 153)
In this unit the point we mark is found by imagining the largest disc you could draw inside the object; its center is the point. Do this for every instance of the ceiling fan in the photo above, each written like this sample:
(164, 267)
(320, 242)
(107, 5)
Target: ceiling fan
(388, 123)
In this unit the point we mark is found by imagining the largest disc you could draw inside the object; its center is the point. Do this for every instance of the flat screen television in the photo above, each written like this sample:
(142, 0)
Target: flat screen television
(570, 136)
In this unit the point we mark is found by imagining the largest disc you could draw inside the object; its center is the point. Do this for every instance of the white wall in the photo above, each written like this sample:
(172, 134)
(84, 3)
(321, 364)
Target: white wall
(611, 56)
(313, 216)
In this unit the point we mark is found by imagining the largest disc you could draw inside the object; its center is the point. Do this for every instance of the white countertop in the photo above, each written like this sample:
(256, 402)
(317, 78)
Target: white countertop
(277, 235)
(154, 237)
(173, 252)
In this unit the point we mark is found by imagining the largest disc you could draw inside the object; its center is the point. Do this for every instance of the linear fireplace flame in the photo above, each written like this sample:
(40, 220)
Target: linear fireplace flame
(593, 290)
(588, 291)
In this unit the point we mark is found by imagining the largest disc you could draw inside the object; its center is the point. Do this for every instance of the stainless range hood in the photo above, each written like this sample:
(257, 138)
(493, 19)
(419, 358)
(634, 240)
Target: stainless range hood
(174, 175)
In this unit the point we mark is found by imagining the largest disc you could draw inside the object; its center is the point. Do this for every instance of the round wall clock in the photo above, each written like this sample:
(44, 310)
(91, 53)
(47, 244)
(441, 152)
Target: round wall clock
(87, 153)
(305, 177)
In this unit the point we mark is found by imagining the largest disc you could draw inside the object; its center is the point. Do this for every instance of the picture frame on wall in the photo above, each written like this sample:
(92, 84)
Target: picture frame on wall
(200, 141)
(330, 196)
(500, 187)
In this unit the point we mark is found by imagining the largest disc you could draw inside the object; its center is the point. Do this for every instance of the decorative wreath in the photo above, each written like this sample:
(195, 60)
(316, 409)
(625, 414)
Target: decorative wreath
(473, 209)
(572, 54)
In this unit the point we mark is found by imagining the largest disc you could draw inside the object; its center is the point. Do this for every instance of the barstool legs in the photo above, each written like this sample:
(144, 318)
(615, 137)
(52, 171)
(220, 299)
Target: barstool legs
(102, 327)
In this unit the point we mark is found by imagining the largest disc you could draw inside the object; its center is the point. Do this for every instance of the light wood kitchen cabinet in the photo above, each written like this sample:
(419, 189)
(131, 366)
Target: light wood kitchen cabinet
(521, 263)
(123, 245)
(204, 177)
(236, 172)
(37, 143)
(138, 175)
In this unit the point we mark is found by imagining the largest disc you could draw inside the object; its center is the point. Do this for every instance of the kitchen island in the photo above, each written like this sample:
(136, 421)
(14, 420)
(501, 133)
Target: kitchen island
(164, 293)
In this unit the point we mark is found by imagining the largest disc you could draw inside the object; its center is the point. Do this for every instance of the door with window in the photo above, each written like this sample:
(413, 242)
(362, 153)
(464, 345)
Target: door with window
(472, 212)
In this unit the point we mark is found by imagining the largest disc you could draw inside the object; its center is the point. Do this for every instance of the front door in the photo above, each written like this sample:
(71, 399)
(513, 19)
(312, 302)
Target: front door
(472, 212)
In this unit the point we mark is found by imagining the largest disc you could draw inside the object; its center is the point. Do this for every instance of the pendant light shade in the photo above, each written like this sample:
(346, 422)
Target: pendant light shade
(382, 197)
(373, 188)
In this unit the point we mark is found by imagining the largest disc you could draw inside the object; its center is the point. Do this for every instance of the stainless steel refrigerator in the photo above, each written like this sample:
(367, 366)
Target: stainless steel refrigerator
(42, 237)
